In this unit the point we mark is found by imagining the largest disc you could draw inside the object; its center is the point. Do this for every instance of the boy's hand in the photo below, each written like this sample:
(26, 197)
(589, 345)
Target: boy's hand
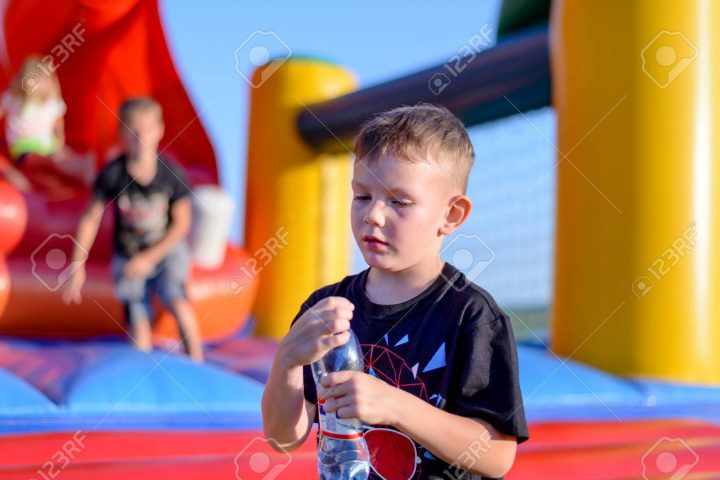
(321, 328)
(71, 293)
(139, 266)
(359, 395)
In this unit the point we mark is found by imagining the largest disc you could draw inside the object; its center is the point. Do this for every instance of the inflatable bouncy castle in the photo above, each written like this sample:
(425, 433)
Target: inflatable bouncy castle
(108, 53)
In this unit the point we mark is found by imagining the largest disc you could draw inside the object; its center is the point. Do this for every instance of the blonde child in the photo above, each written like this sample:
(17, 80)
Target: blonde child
(34, 112)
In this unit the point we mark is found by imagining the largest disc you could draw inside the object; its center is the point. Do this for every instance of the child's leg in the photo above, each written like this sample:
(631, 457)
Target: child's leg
(173, 271)
(188, 326)
(135, 295)
(140, 330)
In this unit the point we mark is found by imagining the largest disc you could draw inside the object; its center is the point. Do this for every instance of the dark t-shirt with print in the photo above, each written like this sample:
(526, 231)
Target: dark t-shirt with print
(142, 212)
(451, 346)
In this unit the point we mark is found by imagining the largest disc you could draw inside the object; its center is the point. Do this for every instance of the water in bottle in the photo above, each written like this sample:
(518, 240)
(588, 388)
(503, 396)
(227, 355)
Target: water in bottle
(342, 451)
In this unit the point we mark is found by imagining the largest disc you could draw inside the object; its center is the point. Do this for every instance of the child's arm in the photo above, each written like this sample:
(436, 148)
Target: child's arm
(470, 444)
(143, 262)
(287, 416)
(84, 239)
(14, 176)
(59, 131)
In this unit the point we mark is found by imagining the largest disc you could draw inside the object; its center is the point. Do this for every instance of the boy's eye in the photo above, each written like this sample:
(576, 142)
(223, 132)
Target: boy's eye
(402, 203)
(362, 197)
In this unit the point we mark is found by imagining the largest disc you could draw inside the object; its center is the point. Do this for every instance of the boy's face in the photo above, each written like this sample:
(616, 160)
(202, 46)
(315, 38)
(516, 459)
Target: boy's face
(141, 134)
(403, 205)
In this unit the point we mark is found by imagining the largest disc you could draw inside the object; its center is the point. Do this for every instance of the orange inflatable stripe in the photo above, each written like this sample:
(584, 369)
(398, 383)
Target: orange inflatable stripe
(34, 311)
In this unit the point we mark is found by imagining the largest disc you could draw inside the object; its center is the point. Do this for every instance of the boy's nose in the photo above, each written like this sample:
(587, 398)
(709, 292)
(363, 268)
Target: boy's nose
(374, 215)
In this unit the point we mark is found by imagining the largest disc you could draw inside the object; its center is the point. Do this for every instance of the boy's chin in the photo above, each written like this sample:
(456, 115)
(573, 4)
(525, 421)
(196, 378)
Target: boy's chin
(375, 260)
(381, 262)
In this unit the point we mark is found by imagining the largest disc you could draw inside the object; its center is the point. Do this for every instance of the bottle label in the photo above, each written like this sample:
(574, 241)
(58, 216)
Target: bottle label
(334, 427)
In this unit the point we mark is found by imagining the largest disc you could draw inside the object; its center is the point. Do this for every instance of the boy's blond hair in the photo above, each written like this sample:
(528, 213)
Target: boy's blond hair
(139, 105)
(415, 134)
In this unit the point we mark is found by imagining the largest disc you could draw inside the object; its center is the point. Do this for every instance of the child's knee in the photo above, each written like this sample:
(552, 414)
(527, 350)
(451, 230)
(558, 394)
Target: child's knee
(173, 296)
(138, 312)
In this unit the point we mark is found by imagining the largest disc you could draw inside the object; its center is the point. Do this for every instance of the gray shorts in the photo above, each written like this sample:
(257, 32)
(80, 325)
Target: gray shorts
(167, 280)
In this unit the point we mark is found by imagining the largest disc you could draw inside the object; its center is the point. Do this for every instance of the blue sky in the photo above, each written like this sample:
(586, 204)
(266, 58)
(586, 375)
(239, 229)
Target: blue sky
(379, 41)
(512, 186)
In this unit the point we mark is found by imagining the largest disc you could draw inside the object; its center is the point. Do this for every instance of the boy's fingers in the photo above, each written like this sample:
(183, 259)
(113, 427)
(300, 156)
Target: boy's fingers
(335, 378)
(71, 296)
(333, 404)
(338, 302)
(329, 318)
(331, 326)
(339, 325)
(332, 340)
(347, 411)
(336, 313)
(330, 392)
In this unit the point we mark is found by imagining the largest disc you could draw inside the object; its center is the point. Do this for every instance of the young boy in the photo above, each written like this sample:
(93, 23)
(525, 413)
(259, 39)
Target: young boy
(440, 358)
(152, 219)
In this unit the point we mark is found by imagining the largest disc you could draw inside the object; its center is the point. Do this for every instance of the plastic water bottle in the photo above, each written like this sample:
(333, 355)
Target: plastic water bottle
(342, 451)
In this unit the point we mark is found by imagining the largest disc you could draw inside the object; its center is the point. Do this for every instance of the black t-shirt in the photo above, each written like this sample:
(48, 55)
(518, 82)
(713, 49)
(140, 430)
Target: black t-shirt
(451, 346)
(142, 212)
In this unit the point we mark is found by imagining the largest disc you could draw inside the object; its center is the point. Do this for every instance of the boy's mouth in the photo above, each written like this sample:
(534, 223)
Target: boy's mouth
(373, 241)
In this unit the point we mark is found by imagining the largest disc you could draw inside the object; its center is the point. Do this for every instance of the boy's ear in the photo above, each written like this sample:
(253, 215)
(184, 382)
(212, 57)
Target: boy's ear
(458, 211)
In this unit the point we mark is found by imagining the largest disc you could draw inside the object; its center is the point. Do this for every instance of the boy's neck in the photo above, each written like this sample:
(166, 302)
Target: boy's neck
(390, 288)
(142, 167)
(143, 161)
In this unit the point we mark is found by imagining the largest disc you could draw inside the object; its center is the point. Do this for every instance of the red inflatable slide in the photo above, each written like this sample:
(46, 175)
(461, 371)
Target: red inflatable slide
(103, 52)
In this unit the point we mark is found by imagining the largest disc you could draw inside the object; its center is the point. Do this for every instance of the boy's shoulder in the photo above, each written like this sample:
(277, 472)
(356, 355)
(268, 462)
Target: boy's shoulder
(110, 175)
(463, 291)
(170, 163)
(116, 165)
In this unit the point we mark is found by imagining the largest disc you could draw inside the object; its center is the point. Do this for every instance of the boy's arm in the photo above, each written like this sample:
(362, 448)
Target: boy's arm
(84, 239)
(287, 416)
(179, 227)
(87, 230)
(467, 443)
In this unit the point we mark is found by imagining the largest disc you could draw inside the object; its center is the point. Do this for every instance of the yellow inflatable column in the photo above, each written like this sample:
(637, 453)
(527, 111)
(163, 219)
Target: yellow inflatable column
(298, 200)
(637, 93)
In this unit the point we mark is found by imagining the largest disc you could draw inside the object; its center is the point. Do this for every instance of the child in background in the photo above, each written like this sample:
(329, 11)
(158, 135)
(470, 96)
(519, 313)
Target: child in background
(34, 124)
(151, 199)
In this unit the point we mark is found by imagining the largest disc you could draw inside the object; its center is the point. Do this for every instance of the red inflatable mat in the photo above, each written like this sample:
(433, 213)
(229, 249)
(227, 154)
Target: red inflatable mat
(619, 450)
(152, 455)
(587, 450)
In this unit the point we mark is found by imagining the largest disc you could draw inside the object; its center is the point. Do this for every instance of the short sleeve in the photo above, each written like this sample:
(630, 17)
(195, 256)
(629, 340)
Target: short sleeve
(485, 379)
(180, 183)
(103, 186)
